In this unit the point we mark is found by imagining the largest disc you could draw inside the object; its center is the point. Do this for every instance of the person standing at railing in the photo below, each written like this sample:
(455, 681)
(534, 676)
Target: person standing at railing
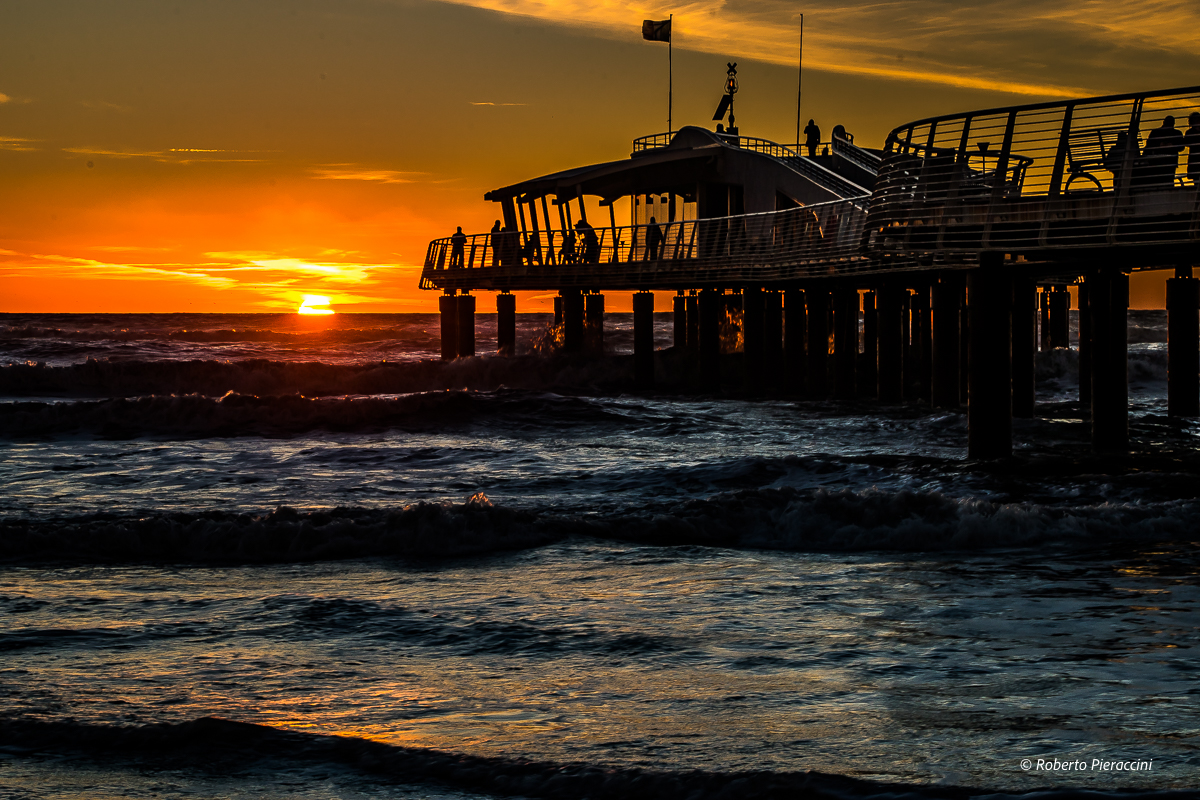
(496, 239)
(457, 243)
(567, 253)
(840, 132)
(654, 240)
(1192, 139)
(812, 138)
(1163, 146)
(591, 244)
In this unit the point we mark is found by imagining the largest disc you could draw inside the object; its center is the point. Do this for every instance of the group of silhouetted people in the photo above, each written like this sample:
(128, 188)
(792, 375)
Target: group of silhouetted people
(1160, 158)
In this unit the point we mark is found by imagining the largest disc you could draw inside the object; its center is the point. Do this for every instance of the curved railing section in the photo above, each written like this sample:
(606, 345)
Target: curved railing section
(860, 157)
(821, 240)
(1044, 178)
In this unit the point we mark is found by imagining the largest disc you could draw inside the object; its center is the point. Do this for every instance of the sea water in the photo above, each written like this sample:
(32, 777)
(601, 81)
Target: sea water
(264, 556)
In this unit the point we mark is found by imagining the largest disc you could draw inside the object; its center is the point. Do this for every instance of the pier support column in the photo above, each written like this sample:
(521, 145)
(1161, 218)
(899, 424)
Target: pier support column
(1024, 347)
(1085, 347)
(466, 326)
(558, 310)
(845, 341)
(1108, 298)
(643, 339)
(1060, 317)
(679, 318)
(693, 322)
(794, 326)
(572, 308)
(922, 334)
(989, 402)
(868, 364)
(773, 368)
(506, 324)
(754, 338)
(947, 309)
(448, 306)
(593, 323)
(711, 305)
(1183, 344)
(1044, 326)
(817, 383)
(889, 303)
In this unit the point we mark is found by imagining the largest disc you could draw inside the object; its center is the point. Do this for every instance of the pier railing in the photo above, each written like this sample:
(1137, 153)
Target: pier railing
(809, 241)
(1081, 174)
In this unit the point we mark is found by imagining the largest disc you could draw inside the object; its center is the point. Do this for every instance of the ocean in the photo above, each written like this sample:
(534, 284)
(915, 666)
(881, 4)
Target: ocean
(268, 556)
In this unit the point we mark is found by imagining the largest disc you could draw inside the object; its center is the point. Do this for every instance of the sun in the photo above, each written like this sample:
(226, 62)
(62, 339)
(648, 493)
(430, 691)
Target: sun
(310, 305)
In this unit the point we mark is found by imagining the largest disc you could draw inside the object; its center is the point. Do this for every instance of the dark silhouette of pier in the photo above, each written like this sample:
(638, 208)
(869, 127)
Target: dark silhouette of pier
(921, 271)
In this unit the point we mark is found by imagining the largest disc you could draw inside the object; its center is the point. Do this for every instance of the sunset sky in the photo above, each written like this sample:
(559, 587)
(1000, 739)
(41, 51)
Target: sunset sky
(224, 155)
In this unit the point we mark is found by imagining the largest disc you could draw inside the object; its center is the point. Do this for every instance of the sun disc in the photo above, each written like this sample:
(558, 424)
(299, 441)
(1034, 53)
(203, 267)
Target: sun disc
(311, 305)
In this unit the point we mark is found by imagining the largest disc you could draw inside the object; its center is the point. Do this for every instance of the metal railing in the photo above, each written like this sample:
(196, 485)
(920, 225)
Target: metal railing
(788, 154)
(816, 240)
(653, 141)
(1089, 173)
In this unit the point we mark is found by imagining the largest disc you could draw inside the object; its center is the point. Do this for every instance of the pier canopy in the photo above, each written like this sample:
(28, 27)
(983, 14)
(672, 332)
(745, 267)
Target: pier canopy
(722, 174)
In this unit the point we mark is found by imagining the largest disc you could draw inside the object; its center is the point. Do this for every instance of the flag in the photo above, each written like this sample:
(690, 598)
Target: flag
(656, 31)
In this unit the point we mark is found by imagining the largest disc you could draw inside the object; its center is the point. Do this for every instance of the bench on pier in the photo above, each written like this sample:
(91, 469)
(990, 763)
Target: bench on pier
(1090, 150)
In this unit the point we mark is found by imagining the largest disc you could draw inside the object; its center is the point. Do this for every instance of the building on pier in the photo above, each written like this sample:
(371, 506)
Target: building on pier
(923, 271)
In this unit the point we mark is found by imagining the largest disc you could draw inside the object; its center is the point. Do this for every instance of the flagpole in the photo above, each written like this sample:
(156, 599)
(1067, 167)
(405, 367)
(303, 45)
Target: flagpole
(799, 82)
(670, 74)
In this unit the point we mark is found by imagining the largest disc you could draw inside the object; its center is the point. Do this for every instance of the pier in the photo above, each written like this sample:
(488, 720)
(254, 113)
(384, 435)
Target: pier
(931, 270)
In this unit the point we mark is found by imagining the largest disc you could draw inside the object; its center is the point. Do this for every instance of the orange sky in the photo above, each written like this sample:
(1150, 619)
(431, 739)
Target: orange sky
(219, 155)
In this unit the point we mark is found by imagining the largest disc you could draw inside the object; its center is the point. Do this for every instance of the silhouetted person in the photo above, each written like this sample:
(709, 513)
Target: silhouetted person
(591, 244)
(840, 132)
(1192, 138)
(457, 242)
(1114, 159)
(1163, 147)
(497, 240)
(654, 240)
(812, 138)
(567, 252)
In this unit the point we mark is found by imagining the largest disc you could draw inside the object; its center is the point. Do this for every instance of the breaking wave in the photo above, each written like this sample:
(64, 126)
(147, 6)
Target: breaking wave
(105, 378)
(802, 520)
(224, 746)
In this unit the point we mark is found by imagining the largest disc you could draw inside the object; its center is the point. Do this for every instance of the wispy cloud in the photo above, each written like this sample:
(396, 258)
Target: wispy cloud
(497, 104)
(104, 105)
(5, 98)
(170, 156)
(1030, 47)
(20, 145)
(352, 172)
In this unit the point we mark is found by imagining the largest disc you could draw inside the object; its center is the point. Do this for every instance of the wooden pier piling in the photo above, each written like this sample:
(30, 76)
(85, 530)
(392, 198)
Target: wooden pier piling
(795, 323)
(1183, 344)
(506, 323)
(711, 305)
(643, 339)
(1024, 347)
(817, 380)
(448, 307)
(1108, 300)
(989, 403)
(754, 338)
(868, 363)
(889, 302)
(573, 325)
(845, 341)
(466, 325)
(593, 323)
(945, 314)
